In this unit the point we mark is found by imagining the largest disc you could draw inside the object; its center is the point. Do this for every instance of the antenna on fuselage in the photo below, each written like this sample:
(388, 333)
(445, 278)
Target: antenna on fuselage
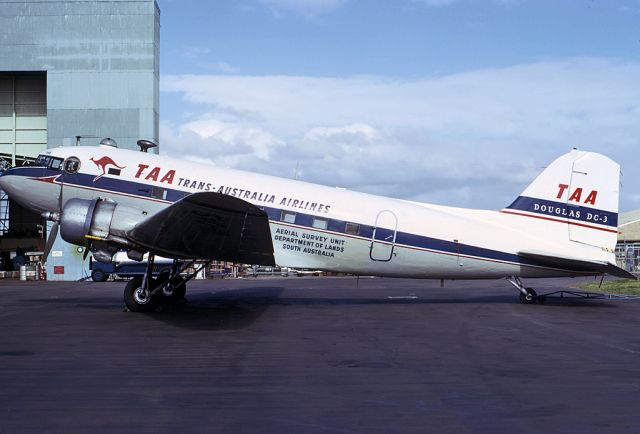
(145, 145)
(84, 136)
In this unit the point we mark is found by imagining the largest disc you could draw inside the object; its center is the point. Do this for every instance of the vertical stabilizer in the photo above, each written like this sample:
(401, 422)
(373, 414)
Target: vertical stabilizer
(580, 190)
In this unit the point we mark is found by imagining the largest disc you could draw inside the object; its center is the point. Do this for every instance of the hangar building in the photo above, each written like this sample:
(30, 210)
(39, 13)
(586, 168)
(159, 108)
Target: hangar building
(628, 248)
(72, 71)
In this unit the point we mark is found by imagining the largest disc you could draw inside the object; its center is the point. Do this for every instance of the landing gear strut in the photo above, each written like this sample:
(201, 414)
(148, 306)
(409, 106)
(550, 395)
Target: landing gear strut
(527, 295)
(144, 294)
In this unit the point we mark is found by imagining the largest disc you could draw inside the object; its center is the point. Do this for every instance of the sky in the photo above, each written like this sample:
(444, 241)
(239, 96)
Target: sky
(454, 102)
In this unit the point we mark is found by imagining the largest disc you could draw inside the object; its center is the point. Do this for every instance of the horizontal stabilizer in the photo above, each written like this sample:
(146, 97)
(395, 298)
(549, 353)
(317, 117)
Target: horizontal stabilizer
(575, 264)
(208, 225)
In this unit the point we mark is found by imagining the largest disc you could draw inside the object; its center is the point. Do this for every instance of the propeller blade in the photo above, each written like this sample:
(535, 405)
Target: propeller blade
(50, 240)
(60, 199)
(86, 253)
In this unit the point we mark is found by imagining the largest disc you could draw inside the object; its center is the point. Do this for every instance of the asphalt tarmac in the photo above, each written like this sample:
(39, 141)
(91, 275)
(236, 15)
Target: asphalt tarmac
(318, 355)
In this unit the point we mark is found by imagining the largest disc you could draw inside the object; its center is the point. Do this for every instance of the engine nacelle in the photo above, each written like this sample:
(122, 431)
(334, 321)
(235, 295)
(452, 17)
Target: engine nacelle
(99, 221)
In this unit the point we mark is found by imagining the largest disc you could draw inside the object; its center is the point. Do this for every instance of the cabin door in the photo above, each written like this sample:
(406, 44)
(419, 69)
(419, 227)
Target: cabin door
(383, 239)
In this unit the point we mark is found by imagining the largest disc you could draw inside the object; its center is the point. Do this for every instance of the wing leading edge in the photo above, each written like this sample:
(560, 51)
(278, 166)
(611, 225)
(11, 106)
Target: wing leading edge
(208, 225)
(575, 264)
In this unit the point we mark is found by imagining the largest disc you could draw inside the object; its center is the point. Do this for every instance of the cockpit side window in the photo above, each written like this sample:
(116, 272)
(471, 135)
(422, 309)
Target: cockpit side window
(72, 164)
(55, 163)
(41, 161)
(49, 162)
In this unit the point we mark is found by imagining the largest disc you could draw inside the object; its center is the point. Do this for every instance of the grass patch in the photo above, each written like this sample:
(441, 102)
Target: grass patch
(620, 286)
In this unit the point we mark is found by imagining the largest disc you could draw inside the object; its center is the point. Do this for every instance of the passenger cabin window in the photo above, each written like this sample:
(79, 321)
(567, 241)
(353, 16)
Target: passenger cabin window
(72, 165)
(159, 193)
(288, 217)
(319, 223)
(352, 229)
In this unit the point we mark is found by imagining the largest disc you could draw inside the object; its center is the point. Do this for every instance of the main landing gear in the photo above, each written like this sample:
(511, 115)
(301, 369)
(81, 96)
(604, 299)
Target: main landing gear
(527, 295)
(146, 293)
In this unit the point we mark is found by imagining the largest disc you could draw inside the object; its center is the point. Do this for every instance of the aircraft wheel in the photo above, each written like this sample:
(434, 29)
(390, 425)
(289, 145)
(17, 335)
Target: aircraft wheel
(99, 276)
(179, 288)
(179, 291)
(530, 298)
(135, 299)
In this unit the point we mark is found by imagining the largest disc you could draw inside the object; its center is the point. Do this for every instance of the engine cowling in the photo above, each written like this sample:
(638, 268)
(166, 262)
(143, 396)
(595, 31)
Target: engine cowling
(101, 222)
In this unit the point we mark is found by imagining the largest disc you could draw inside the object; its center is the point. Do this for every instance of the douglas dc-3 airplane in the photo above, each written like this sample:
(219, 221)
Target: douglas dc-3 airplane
(107, 199)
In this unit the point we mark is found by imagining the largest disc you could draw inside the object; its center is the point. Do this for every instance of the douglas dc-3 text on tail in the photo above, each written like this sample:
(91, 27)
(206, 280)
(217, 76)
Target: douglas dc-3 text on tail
(563, 224)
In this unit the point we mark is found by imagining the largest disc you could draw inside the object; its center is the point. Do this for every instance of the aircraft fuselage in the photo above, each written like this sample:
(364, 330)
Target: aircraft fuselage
(312, 226)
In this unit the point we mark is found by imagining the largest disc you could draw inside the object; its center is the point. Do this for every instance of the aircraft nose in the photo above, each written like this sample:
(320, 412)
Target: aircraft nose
(8, 182)
(22, 188)
(4, 182)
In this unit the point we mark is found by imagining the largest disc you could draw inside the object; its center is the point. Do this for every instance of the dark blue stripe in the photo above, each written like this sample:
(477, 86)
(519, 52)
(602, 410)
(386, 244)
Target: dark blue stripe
(429, 243)
(30, 171)
(104, 182)
(275, 214)
(550, 208)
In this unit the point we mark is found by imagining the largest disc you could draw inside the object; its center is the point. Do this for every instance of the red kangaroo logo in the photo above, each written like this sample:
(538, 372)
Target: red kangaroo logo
(102, 164)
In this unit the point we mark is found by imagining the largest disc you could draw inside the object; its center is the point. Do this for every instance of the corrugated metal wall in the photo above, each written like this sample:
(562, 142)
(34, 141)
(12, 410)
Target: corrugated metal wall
(101, 60)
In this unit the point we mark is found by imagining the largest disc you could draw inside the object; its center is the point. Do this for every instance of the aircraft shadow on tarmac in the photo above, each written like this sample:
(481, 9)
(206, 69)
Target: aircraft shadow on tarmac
(239, 308)
(272, 296)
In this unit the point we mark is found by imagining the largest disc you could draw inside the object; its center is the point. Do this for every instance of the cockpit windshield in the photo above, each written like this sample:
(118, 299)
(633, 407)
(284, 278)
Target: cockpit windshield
(49, 162)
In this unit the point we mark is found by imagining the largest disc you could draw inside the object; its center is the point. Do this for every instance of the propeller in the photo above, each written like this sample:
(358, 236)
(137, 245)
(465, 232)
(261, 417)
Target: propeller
(53, 234)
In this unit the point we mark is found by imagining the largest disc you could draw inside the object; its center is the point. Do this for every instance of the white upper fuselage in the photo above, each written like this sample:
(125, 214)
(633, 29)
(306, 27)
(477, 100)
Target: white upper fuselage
(314, 226)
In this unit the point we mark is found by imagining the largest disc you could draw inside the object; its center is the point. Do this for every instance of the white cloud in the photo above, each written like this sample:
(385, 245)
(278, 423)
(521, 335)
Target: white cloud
(363, 130)
(440, 3)
(229, 140)
(194, 52)
(200, 55)
(436, 2)
(475, 138)
(219, 66)
(307, 8)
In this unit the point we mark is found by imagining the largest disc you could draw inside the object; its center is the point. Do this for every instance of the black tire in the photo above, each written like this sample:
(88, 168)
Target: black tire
(99, 276)
(133, 298)
(178, 293)
(179, 289)
(530, 298)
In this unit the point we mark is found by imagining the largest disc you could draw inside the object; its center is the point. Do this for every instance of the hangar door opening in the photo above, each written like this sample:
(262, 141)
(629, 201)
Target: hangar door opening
(23, 135)
(23, 115)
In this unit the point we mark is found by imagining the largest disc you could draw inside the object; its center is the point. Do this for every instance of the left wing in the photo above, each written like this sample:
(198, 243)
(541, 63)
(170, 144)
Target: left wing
(575, 264)
(208, 225)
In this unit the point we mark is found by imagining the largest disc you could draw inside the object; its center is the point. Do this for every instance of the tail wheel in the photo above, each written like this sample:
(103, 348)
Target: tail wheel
(136, 299)
(530, 297)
